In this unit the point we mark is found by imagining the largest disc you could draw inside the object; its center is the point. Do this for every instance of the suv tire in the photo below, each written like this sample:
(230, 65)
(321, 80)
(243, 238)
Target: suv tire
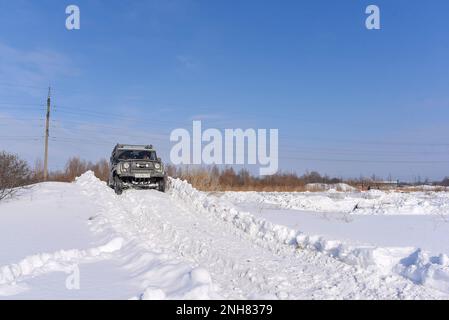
(161, 185)
(118, 186)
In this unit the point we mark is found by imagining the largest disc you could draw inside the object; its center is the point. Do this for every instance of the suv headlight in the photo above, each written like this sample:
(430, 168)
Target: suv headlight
(126, 165)
(157, 166)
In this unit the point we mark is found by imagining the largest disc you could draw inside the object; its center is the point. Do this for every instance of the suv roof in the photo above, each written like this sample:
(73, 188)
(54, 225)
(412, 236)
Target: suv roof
(132, 147)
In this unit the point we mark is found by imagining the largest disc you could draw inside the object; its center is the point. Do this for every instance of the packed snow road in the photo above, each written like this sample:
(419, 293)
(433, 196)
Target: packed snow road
(191, 245)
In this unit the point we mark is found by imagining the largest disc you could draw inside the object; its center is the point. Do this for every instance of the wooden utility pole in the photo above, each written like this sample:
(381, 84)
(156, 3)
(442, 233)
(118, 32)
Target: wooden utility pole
(47, 134)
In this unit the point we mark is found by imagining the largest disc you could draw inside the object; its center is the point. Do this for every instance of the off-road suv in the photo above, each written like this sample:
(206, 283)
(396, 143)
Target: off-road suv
(136, 166)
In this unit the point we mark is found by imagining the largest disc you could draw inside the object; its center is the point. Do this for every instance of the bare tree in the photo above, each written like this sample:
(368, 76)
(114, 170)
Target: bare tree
(14, 173)
(101, 169)
(76, 167)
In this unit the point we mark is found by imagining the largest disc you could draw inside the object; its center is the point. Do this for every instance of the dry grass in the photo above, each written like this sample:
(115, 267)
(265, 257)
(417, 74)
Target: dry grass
(422, 189)
(213, 179)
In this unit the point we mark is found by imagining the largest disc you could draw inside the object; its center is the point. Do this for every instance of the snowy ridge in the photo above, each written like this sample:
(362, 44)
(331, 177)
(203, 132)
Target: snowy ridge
(411, 263)
(326, 187)
(369, 202)
(63, 260)
(259, 229)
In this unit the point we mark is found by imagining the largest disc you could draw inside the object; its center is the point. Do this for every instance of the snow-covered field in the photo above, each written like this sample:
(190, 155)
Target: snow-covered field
(80, 240)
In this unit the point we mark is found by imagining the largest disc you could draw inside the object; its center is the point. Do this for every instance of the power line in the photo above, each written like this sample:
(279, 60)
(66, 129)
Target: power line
(120, 117)
(282, 136)
(391, 143)
(28, 125)
(366, 161)
(102, 115)
(109, 133)
(300, 149)
(374, 152)
(20, 119)
(122, 131)
(20, 138)
(92, 126)
(17, 85)
(21, 104)
(78, 141)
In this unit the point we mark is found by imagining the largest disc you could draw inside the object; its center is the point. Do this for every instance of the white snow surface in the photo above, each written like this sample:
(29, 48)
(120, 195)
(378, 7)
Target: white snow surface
(187, 244)
(373, 202)
(326, 187)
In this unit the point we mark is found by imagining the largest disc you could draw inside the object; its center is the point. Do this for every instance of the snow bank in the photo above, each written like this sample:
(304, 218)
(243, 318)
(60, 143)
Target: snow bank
(257, 228)
(92, 185)
(367, 203)
(199, 282)
(427, 188)
(63, 260)
(412, 263)
(194, 285)
(343, 187)
(421, 268)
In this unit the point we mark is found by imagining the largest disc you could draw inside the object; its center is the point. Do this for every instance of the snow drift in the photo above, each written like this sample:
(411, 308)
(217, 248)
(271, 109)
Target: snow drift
(369, 202)
(63, 260)
(342, 187)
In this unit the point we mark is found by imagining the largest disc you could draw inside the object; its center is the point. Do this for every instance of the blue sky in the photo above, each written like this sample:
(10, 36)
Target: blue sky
(347, 101)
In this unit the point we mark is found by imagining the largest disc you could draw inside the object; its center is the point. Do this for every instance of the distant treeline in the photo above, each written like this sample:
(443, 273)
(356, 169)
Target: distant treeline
(15, 172)
(227, 179)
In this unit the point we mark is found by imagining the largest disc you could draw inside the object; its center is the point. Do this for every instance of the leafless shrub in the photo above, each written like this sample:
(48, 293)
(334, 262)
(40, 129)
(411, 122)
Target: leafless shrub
(38, 171)
(76, 167)
(14, 174)
(227, 179)
(101, 169)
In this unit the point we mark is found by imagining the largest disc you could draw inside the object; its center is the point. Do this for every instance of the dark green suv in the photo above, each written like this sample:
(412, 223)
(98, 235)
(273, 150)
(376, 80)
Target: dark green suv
(136, 166)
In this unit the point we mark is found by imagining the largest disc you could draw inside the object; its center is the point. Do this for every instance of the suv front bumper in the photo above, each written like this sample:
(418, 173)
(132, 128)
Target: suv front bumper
(144, 180)
(142, 175)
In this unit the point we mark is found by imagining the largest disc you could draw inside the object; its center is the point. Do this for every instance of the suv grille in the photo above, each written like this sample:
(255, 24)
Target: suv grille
(142, 166)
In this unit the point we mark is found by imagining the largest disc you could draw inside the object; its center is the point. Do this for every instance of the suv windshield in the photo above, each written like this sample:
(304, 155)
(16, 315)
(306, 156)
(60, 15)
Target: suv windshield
(138, 155)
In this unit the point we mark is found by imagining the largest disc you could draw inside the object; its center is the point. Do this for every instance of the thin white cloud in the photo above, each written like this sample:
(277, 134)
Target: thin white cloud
(206, 117)
(187, 62)
(26, 70)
